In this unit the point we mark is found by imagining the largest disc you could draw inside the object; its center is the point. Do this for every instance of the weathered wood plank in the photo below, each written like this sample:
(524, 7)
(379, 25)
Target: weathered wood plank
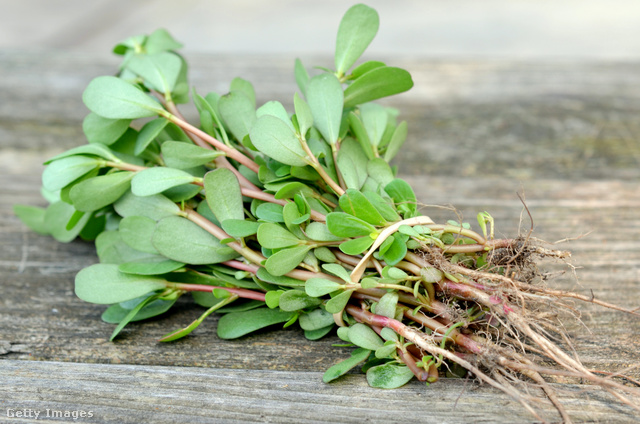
(134, 394)
(564, 133)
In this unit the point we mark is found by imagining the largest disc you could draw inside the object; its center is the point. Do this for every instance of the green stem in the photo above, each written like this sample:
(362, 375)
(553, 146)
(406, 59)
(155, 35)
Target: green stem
(124, 166)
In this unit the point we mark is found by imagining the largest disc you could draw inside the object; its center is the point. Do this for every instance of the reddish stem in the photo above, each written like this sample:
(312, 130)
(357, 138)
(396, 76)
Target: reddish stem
(244, 293)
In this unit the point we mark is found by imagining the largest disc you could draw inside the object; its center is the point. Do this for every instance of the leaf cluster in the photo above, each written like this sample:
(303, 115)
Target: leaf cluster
(262, 214)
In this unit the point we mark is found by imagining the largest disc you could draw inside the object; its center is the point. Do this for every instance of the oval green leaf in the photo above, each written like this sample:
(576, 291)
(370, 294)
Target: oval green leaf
(273, 236)
(378, 83)
(104, 284)
(357, 29)
(158, 179)
(344, 225)
(103, 130)
(98, 192)
(286, 260)
(389, 376)
(238, 324)
(113, 98)
(223, 194)
(325, 98)
(273, 137)
(183, 241)
(177, 154)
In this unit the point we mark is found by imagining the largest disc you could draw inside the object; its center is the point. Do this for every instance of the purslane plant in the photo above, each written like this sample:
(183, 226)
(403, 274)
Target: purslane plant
(269, 217)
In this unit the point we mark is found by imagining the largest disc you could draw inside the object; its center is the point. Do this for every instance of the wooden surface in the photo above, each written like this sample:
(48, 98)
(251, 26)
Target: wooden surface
(565, 133)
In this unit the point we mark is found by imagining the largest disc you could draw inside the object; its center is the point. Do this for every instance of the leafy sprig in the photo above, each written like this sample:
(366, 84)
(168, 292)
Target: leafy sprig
(272, 217)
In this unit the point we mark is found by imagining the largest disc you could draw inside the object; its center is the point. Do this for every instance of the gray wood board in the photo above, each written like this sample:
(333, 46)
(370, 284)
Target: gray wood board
(134, 394)
(564, 133)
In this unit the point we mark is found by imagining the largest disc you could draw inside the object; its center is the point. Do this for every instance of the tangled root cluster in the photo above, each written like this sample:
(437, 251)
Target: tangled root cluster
(521, 336)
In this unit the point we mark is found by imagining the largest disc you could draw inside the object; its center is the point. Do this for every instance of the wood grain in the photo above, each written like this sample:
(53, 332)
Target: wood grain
(565, 134)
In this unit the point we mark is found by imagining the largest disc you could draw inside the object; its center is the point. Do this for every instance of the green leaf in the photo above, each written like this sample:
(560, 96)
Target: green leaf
(389, 375)
(378, 83)
(182, 193)
(341, 368)
(238, 324)
(160, 41)
(272, 298)
(98, 192)
(223, 194)
(360, 132)
(154, 265)
(302, 76)
(382, 206)
(357, 29)
(294, 300)
(281, 280)
(289, 190)
(56, 217)
(273, 137)
(344, 225)
(158, 179)
(62, 172)
(396, 251)
(238, 112)
(209, 119)
(111, 249)
(380, 171)
(113, 98)
(315, 320)
(303, 114)
(355, 203)
(337, 303)
(148, 133)
(275, 108)
(102, 130)
(103, 283)
(32, 217)
(317, 287)
(363, 336)
(137, 232)
(239, 84)
(286, 260)
(356, 246)
(374, 119)
(324, 254)
(240, 227)
(319, 333)
(387, 305)
(130, 315)
(402, 194)
(273, 236)
(325, 98)
(155, 207)
(352, 162)
(116, 313)
(386, 350)
(318, 231)
(87, 149)
(338, 271)
(160, 70)
(364, 68)
(397, 140)
(183, 241)
(177, 154)
(271, 212)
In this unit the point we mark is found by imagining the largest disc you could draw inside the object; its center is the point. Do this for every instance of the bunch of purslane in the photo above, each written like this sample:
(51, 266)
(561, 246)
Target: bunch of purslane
(271, 217)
